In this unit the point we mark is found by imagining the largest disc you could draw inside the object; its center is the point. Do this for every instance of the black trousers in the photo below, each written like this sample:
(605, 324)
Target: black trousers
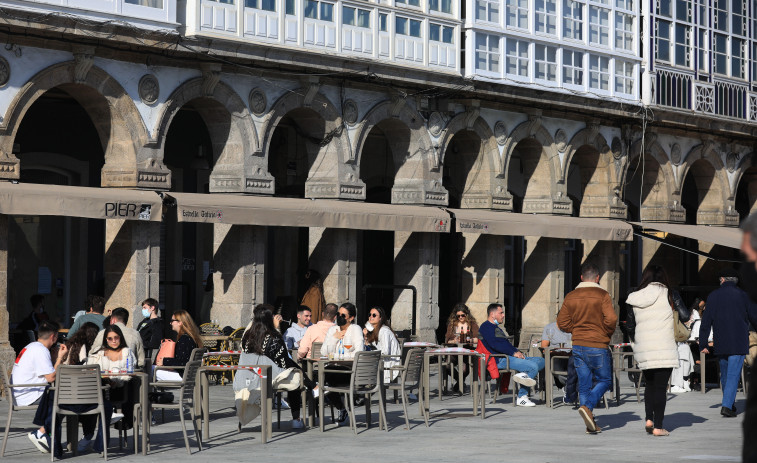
(655, 394)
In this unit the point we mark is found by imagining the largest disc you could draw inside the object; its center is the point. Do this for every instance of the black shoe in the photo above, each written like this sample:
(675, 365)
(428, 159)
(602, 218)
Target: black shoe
(728, 412)
(341, 418)
(123, 425)
(359, 401)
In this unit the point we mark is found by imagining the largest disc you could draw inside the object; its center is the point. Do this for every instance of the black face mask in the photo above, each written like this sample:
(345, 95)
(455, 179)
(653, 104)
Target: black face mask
(341, 320)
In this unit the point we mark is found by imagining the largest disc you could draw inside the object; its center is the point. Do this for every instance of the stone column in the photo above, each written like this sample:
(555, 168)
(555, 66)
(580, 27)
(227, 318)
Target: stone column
(483, 272)
(544, 280)
(239, 258)
(606, 256)
(655, 252)
(6, 351)
(333, 253)
(416, 263)
(132, 260)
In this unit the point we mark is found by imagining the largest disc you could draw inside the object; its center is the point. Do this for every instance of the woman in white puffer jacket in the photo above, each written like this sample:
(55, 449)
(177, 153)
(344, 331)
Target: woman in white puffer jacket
(654, 346)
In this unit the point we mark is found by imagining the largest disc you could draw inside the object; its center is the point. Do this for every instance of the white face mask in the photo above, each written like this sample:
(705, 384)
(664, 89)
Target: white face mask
(145, 313)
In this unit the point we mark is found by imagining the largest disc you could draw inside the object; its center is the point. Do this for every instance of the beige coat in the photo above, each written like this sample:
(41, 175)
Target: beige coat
(654, 346)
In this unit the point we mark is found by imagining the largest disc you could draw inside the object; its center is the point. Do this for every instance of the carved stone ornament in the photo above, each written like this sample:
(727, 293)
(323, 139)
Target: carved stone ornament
(435, 124)
(561, 140)
(5, 71)
(258, 102)
(500, 133)
(675, 154)
(149, 89)
(349, 112)
(617, 148)
(731, 160)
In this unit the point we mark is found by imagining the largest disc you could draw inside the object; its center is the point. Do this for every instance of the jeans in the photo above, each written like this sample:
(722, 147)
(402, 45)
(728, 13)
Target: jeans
(730, 373)
(529, 365)
(594, 369)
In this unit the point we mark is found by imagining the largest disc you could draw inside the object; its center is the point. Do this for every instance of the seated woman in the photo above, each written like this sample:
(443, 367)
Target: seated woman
(80, 344)
(344, 337)
(461, 323)
(188, 338)
(380, 336)
(114, 357)
(263, 339)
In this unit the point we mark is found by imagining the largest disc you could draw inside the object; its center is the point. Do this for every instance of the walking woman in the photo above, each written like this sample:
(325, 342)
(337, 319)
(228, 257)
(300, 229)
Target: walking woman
(654, 345)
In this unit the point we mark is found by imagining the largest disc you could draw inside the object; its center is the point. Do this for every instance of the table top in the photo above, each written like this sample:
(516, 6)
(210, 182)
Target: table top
(220, 336)
(452, 351)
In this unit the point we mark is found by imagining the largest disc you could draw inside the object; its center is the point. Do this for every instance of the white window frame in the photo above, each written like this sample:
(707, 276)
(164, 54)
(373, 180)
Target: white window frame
(570, 67)
(546, 63)
(599, 30)
(516, 14)
(600, 74)
(624, 76)
(573, 19)
(514, 51)
(545, 17)
(491, 7)
(492, 52)
(625, 33)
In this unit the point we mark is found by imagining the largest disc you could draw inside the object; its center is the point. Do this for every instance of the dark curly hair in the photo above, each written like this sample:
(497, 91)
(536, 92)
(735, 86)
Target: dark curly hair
(262, 325)
(84, 336)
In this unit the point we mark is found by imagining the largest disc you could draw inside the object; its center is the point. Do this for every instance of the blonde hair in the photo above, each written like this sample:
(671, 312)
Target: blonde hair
(188, 326)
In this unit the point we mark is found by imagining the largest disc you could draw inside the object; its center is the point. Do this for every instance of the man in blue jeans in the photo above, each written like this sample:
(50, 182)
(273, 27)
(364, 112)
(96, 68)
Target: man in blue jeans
(495, 340)
(729, 311)
(588, 314)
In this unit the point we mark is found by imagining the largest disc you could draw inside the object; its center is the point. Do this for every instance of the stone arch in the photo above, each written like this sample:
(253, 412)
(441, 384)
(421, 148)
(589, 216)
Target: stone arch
(598, 184)
(482, 182)
(540, 195)
(715, 200)
(119, 125)
(237, 160)
(745, 183)
(417, 176)
(660, 200)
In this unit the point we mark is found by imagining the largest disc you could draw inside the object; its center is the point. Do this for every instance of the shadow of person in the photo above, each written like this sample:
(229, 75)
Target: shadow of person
(682, 420)
(616, 420)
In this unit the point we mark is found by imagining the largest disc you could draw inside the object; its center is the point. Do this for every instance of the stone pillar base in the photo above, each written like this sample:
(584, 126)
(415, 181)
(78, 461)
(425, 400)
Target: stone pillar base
(416, 263)
(333, 253)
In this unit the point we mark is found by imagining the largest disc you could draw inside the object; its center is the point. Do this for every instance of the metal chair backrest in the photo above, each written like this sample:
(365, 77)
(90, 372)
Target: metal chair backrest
(189, 379)
(5, 386)
(413, 366)
(197, 354)
(78, 385)
(315, 351)
(365, 370)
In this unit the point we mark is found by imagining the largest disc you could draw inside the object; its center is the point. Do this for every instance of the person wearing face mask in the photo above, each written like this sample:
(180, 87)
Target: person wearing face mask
(36, 316)
(151, 328)
(348, 336)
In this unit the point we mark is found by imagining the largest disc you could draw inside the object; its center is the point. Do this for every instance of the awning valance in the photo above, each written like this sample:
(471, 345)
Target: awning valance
(297, 212)
(724, 236)
(75, 201)
(549, 226)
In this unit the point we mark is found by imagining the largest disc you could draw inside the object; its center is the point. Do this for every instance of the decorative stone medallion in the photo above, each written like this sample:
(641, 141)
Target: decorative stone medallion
(561, 140)
(435, 123)
(617, 148)
(149, 89)
(5, 71)
(258, 101)
(731, 160)
(500, 133)
(349, 112)
(675, 154)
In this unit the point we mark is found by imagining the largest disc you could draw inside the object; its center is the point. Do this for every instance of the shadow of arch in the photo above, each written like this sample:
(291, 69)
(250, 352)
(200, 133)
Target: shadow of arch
(746, 192)
(647, 186)
(531, 147)
(589, 171)
(119, 125)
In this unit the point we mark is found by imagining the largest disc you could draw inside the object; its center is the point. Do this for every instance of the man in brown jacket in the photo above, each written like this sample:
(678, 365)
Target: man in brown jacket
(588, 314)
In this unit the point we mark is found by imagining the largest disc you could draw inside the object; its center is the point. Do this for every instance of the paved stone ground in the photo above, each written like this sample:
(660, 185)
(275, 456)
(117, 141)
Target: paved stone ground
(538, 434)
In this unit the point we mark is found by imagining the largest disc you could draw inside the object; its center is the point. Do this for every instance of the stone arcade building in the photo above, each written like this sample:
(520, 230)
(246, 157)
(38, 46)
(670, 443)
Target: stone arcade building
(476, 150)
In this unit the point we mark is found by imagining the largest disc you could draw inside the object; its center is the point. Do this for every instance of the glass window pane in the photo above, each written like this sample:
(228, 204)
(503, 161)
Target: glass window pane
(433, 5)
(268, 5)
(383, 22)
(348, 16)
(448, 34)
(363, 18)
(415, 28)
(311, 9)
(434, 32)
(327, 12)
(400, 25)
(446, 6)
(290, 7)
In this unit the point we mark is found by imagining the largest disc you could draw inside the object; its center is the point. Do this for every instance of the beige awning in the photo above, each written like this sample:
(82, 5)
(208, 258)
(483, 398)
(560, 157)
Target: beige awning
(75, 201)
(296, 212)
(724, 236)
(550, 226)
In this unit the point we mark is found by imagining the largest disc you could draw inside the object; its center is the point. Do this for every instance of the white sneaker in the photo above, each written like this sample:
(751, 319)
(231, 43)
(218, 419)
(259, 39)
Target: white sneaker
(298, 424)
(524, 401)
(84, 444)
(284, 404)
(677, 390)
(524, 380)
(39, 441)
(115, 418)
(316, 392)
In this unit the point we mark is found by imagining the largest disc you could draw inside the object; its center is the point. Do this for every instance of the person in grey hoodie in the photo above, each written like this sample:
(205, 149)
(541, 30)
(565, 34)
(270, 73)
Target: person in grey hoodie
(654, 345)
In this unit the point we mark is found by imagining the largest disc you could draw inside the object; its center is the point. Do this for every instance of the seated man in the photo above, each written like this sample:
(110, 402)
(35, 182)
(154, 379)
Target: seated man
(294, 334)
(553, 336)
(34, 366)
(496, 342)
(317, 332)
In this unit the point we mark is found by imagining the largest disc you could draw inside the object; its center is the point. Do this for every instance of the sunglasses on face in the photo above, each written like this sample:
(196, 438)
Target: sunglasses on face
(374, 315)
(461, 315)
(114, 338)
(174, 320)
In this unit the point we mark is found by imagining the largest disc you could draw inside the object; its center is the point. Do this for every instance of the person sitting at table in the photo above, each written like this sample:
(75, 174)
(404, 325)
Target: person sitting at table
(188, 339)
(496, 342)
(113, 356)
(552, 335)
(296, 332)
(120, 317)
(151, 328)
(317, 332)
(347, 338)
(264, 339)
(380, 336)
(461, 321)
(80, 344)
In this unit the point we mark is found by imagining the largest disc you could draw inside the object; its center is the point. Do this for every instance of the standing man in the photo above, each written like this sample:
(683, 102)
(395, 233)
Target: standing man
(588, 314)
(728, 312)
(95, 308)
(749, 248)
(294, 334)
(495, 341)
(317, 332)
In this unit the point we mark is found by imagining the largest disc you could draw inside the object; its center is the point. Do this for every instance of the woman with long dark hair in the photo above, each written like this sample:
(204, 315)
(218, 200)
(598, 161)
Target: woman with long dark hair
(460, 322)
(264, 339)
(379, 335)
(188, 339)
(654, 344)
(80, 344)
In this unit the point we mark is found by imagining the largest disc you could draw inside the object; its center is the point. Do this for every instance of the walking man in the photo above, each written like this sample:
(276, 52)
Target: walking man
(728, 313)
(588, 314)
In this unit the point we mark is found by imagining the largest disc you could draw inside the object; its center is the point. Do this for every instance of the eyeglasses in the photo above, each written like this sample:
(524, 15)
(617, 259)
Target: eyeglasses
(174, 320)
(461, 315)
(374, 315)
(114, 338)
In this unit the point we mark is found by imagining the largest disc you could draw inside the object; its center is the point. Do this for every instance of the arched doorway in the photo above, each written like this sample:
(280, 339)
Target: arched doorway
(61, 258)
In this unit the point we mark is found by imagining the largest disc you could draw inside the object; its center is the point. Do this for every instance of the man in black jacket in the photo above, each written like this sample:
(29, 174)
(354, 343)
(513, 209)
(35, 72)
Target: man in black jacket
(749, 248)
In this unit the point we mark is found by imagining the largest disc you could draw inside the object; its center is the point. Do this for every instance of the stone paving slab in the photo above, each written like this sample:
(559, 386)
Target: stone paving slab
(537, 434)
